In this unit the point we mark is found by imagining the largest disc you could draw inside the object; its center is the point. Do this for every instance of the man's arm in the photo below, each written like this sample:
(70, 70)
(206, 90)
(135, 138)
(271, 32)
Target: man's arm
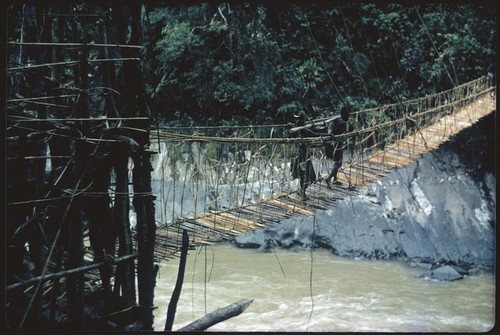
(307, 132)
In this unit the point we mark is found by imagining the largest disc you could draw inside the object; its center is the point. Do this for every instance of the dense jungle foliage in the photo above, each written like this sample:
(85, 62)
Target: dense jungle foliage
(238, 63)
(258, 63)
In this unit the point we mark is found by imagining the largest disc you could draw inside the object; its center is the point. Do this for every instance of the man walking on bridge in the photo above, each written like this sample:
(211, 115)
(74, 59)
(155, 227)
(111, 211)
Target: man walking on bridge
(335, 151)
(302, 166)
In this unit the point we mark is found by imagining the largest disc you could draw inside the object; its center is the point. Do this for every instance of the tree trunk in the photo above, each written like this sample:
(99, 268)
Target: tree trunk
(217, 316)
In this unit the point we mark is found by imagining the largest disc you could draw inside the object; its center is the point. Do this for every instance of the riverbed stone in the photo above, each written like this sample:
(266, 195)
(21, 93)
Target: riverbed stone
(254, 239)
(444, 273)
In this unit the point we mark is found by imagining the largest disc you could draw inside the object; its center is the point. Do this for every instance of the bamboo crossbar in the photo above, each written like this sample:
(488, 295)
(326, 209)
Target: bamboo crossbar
(75, 62)
(80, 119)
(96, 45)
(70, 272)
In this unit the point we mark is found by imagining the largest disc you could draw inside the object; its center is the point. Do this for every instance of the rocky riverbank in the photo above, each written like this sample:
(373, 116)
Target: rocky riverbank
(440, 210)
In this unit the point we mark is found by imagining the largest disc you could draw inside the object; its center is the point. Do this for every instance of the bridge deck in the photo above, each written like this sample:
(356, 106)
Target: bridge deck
(219, 226)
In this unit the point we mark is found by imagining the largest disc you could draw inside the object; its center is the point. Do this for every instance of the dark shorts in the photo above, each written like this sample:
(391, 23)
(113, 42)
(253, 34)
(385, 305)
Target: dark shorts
(303, 170)
(334, 151)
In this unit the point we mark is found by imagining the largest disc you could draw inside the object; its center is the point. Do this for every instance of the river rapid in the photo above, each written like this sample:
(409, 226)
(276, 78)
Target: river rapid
(303, 291)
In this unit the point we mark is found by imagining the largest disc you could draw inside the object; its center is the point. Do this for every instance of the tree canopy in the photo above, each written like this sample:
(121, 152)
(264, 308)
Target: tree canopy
(259, 62)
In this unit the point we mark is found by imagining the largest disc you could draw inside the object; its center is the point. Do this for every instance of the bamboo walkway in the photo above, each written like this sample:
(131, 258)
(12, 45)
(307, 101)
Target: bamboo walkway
(365, 169)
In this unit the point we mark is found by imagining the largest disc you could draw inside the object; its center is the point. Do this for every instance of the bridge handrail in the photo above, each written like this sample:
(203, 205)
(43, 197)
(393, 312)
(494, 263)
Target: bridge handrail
(447, 106)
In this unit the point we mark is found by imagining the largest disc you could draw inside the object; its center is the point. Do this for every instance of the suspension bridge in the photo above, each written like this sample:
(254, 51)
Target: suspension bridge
(227, 181)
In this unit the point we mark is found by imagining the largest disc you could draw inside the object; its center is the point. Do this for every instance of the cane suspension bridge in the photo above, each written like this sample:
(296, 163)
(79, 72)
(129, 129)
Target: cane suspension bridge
(236, 181)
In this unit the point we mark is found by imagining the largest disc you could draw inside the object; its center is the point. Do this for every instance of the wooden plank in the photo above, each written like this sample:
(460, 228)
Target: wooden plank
(390, 160)
(291, 207)
(359, 174)
(413, 144)
(208, 222)
(375, 168)
(287, 204)
(243, 220)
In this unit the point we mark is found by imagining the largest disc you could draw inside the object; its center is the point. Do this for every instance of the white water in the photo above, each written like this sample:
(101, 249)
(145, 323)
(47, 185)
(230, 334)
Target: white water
(347, 295)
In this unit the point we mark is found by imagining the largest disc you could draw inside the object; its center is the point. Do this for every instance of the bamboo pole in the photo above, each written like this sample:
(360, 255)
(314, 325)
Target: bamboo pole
(66, 273)
(74, 62)
(92, 45)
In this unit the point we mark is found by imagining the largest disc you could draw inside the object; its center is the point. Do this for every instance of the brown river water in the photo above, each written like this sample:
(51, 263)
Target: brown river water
(300, 291)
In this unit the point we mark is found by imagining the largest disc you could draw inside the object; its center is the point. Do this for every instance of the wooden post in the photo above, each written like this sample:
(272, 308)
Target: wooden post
(172, 305)
(146, 236)
(125, 271)
(143, 199)
(101, 233)
(74, 222)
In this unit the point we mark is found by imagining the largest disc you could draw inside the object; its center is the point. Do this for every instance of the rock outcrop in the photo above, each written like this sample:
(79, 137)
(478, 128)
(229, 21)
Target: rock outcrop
(438, 210)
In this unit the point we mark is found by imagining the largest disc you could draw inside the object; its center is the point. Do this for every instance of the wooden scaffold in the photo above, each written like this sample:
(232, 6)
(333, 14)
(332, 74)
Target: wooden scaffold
(78, 165)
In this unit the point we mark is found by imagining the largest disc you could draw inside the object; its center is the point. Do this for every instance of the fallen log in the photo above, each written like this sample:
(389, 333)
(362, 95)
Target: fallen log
(217, 316)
